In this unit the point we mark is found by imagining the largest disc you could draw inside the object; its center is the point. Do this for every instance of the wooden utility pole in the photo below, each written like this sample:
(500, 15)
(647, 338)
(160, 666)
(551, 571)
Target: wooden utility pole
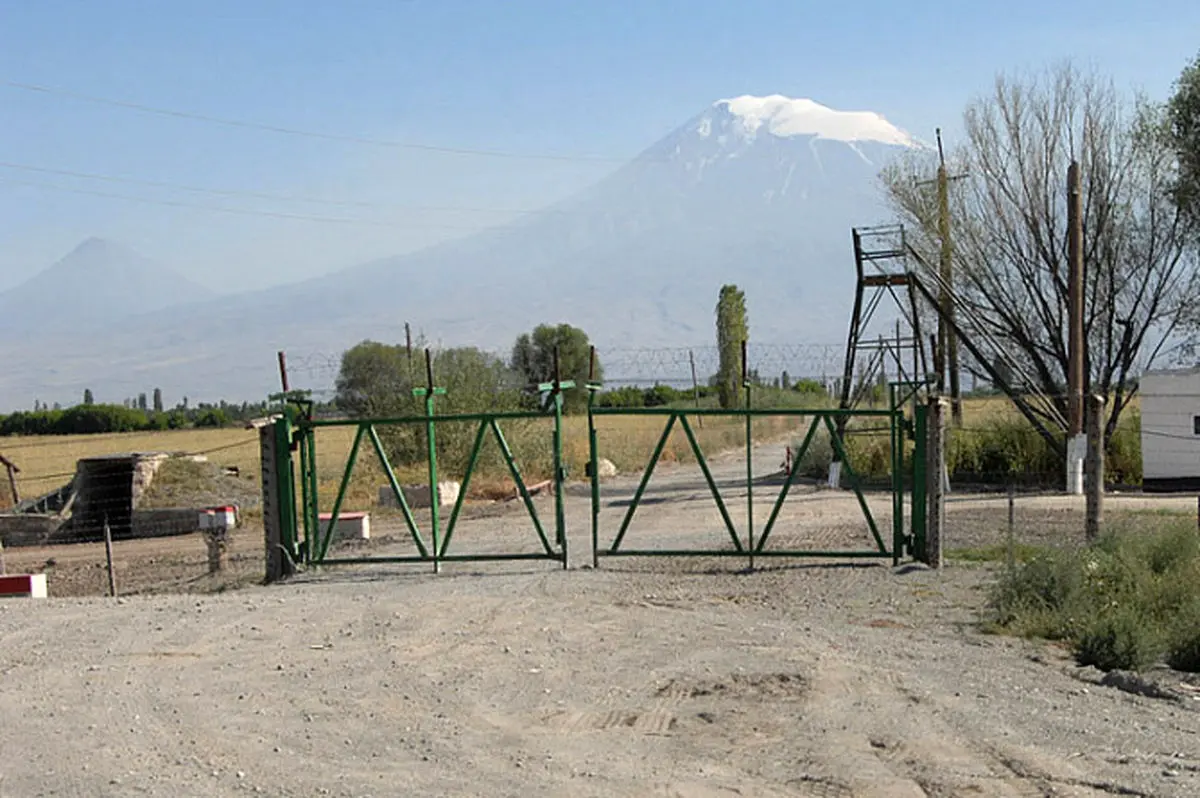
(1076, 443)
(1075, 278)
(935, 453)
(947, 340)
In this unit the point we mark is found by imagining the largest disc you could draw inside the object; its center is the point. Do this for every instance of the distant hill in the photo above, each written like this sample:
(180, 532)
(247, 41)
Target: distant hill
(758, 191)
(97, 283)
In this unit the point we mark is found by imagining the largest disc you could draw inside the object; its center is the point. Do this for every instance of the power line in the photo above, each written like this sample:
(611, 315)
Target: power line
(237, 211)
(254, 194)
(290, 131)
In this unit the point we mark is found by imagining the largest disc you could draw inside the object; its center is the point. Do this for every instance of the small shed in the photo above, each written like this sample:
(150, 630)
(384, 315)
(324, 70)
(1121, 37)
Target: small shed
(1171, 430)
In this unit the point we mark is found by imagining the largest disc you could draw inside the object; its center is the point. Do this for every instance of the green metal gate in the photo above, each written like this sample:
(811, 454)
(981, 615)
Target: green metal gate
(906, 473)
(307, 538)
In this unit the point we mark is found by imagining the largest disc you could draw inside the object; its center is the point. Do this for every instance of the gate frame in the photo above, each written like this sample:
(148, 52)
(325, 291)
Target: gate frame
(900, 429)
(302, 537)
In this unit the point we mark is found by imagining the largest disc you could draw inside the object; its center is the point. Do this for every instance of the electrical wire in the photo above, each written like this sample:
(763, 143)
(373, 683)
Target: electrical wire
(291, 131)
(258, 194)
(240, 211)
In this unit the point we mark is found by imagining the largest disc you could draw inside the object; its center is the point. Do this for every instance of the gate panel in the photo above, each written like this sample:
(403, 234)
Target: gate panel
(745, 538)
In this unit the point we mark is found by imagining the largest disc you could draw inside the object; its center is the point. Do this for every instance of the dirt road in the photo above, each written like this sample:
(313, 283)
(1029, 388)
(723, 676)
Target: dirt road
(647, 677)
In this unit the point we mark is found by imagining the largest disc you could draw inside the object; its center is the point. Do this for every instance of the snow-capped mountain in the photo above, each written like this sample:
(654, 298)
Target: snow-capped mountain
(757, 191)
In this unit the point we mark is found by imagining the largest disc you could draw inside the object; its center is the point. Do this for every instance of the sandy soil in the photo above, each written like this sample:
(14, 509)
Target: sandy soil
(668, 676)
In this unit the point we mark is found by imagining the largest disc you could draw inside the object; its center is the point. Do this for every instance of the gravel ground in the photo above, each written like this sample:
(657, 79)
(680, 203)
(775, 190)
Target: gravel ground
(667, 676)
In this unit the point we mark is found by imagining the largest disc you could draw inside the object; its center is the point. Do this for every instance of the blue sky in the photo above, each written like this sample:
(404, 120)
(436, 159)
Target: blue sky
(580, 78)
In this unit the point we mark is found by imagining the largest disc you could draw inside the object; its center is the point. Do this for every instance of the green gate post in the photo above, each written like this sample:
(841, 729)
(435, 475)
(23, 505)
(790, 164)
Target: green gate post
(919, 477)
(435, 499)
(285, 471)
(897, 435)
(556, 389)
(749, 458)
(593, 388)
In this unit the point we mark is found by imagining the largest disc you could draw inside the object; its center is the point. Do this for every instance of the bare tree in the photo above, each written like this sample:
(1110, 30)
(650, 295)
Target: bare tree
(1010, 232)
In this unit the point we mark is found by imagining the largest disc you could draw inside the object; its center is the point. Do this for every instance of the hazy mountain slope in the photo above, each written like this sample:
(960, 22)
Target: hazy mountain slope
(96, 283)
(761, 192)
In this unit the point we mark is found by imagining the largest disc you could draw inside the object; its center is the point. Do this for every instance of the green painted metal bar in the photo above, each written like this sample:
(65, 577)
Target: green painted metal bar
(749, 462)
(435, 498)
(314, 507)
(712, 484)
(637, 496)
(854, 480)
(307, 500)
(919, 486)
(409, 520)
(285, 473)
(594, 470)
(466, 483)
(341, 495)
(560, 471)
(507, 415)
(862, 554)
(448, 558)
(602, 411)
(737, 412)
(516, 475)
(897, 475)
(787, 484)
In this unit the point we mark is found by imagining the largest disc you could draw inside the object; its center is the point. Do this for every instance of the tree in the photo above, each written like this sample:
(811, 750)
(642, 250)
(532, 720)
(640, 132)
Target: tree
(141, 402)
(375, 380)
(732, 331)
(158, 400)
(1183, 134)
(533, 358)
(1010, 237)
(88, 399)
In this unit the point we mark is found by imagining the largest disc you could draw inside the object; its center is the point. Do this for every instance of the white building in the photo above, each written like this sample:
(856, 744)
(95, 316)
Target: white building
(1171, 430)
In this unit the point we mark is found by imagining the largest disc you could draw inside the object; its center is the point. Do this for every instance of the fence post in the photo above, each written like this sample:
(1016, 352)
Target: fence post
(936, 454)
(108, 556)
(1011, 538)
(920, 481)
(1094, 466)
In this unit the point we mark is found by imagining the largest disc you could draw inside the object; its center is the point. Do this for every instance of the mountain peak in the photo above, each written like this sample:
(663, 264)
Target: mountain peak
(785, 117)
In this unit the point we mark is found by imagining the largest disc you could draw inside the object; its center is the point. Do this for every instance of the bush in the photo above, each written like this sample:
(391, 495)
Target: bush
(1120, 639)
(1123, 602)
(1183, 640)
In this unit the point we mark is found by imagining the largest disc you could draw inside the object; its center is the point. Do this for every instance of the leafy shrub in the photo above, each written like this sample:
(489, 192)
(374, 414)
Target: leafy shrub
(1123, 602)
(1183, 639)
(1120, 639)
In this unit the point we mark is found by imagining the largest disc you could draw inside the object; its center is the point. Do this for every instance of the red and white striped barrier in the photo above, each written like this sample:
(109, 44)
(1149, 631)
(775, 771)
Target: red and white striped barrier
(23, 585)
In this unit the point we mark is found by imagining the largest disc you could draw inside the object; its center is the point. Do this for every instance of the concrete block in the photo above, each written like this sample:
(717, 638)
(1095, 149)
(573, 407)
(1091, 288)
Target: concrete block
(23, 585)
(418, 495)
(350, 526)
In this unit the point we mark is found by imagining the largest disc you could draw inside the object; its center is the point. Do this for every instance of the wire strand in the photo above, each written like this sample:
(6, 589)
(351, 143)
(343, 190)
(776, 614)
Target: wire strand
(291, 131)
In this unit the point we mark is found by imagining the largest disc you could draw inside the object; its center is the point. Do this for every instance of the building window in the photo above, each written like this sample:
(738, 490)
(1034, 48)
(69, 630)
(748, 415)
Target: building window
(1196, 425)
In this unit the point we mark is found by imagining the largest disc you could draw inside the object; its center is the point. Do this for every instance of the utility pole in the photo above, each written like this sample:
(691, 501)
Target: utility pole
(1077, 443)
(948, 341)
(945, 353)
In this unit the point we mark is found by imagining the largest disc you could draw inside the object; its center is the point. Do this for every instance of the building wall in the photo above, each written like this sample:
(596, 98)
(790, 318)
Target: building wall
(1170, 445)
